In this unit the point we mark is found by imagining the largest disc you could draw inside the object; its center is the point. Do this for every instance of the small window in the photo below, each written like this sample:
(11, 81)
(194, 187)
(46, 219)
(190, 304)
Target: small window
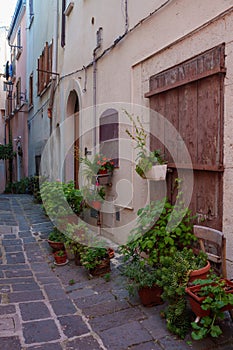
(37, 164)
(18, 43)
(109, 135)
(63, 24)
(45, 68)
(18, 93)
(31, 11)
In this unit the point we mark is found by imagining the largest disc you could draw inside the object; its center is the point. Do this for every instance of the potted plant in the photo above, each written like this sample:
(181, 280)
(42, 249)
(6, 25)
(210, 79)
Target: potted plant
(98, 170)
(142, 278)
(156, 234)
(60, 257)
(56, 239)
(150, 164)
(94, 197)
(61, 201)
(96, 260)
(76, 240)
(209, 299)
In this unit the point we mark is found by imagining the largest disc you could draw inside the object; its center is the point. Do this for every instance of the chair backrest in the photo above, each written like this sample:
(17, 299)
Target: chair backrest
(213, 243)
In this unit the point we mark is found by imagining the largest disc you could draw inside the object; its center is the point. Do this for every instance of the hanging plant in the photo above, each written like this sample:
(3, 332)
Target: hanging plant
(6, 151)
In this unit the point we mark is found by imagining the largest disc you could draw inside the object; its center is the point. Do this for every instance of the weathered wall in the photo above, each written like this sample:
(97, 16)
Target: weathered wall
(175, 32)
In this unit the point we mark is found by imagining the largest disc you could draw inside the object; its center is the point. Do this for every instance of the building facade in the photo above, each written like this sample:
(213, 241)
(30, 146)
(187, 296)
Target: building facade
(168, 62)
(16, 101)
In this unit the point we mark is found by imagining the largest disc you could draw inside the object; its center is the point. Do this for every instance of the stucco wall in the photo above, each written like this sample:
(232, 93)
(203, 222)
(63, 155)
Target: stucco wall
(40, 31)
(174, 33)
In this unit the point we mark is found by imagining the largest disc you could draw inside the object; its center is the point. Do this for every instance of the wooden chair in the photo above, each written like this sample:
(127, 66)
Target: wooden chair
(213, 243)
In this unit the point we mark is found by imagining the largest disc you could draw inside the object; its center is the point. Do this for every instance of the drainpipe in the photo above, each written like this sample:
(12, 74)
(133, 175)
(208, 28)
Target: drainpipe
(98, 45)
(99, 39)
(55, 49)
(126, 17)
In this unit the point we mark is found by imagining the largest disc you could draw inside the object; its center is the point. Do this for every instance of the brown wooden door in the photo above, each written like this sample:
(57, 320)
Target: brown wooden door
(190, 96)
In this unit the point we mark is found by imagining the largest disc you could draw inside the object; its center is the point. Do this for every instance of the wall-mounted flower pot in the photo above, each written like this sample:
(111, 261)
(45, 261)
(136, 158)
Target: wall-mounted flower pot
(151, 296)
(103, 178)
(96, 205)
(157, 173)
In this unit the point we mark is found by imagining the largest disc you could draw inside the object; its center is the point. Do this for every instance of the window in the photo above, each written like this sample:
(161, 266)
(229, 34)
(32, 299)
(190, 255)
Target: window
(18, 43)
(44, 68)
(31, 11)
(18, 93)
(37, 164)
(31, 90)
(108, 135)
(63, 24)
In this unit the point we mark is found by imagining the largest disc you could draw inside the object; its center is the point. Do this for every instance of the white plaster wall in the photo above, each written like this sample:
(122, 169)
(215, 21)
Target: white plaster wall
(38, 33)
(174, 33)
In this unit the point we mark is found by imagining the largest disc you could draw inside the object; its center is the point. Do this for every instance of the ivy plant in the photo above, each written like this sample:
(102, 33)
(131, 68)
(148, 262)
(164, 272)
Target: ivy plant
(173, 277)
(215, 291)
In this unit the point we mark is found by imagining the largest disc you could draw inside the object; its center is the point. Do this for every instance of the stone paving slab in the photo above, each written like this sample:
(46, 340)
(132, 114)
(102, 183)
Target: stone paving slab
(40, 310)
(40, 331)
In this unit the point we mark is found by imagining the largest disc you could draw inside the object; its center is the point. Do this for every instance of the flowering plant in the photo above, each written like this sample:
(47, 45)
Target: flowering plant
(99, 164)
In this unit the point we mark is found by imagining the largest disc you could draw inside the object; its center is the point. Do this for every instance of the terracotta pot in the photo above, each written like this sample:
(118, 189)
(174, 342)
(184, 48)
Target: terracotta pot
(111, 253)
(151, 296)
(196, 301)
(102, 171)
(60, 259)
(101, 269)
(200, 273)
(96, 205)
(56, 245)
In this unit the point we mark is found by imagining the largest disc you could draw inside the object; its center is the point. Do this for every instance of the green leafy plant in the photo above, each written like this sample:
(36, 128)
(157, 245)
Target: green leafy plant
(60, 253)
(57, 236)
(96, 165)
(157, 233)
(61, 199)
(139, 274)
(74, 197)
(145, 159)
(93, 256)
(6, 151)
(107, 277)
(93, 194)
(173, 277)
(77, 237)
(216, 295)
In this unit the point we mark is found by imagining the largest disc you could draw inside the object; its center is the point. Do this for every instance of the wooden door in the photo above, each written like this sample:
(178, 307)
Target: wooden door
(190, 96)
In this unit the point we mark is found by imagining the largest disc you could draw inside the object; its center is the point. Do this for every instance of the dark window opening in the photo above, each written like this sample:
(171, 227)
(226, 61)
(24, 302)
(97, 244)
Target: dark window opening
(109, 135)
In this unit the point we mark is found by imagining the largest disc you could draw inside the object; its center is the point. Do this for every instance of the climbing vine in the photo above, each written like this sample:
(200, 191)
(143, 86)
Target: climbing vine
(6, 151)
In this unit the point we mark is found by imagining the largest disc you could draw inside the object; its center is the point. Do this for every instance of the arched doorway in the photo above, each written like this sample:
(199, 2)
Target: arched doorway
(72, 170)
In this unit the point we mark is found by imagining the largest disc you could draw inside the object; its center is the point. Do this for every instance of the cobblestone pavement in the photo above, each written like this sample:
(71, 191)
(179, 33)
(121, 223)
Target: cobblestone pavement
(40, 309)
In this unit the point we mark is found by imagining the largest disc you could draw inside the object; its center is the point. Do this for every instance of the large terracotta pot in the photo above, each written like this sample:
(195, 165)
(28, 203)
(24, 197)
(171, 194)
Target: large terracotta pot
(151, 296)
(196, 301)
(200, 273)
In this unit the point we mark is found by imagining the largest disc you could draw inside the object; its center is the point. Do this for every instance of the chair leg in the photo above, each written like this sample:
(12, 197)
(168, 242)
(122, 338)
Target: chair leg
(231, 314)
